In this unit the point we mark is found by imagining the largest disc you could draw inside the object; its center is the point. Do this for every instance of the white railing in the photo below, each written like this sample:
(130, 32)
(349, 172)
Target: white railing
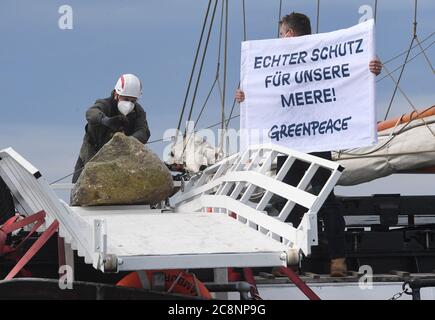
(32, 193)
(229, 187)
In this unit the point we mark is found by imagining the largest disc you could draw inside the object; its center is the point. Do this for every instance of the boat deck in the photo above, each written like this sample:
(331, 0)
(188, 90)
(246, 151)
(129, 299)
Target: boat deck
(161, 240)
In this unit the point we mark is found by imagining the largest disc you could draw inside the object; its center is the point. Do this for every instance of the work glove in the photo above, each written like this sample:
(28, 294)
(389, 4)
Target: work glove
(115, 123)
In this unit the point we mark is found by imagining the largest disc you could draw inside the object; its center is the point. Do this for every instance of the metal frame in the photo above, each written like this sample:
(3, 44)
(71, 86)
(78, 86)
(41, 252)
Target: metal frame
(88, 234)
(37, 245)
(218, 188)
(32, 193)
(200, 261)
(227, 187)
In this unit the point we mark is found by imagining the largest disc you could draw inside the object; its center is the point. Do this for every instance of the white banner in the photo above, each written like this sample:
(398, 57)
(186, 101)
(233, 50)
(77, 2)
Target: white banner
(310, 93)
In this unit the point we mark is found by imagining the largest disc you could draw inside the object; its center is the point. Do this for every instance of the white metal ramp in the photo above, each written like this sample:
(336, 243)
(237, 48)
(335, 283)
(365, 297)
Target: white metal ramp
(141, 238)
(137, 238)
(228, 186)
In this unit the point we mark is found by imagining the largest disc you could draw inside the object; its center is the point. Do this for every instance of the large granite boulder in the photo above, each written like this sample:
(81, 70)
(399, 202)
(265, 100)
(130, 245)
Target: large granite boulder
(124, 171)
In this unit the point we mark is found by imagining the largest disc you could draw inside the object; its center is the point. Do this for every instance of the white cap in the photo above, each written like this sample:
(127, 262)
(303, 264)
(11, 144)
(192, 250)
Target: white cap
(129, 85)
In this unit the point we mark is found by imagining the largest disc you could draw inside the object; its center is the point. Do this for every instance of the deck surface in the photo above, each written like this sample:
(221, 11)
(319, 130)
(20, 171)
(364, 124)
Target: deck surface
(136, 230)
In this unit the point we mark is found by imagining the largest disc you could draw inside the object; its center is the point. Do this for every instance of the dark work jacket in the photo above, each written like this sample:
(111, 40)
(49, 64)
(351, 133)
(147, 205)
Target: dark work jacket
(97, 135)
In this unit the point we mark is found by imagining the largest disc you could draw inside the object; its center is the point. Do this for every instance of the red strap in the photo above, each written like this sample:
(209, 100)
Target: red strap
(249, 277)
(10, 221)
(4, 235)
(35, 227)
(34, 249)
(299, 283)
(11, 225)
(23, 222)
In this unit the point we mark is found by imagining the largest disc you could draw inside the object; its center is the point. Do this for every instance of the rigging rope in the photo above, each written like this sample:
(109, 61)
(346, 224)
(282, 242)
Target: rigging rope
(194, 65)
(186, 137)
(220, 40)
(232, 110)
(369, 155)
(225, 77)
(398, 81)
(409, 60)
(389, 74)
(404, 52)
(151, 142)
(217, 67)
(407, 99)
(244, 20)
(425, 55)
(218, 123)
(406, 59)
(318, 16)
(69, 175)
(205, 103)
(202, 61)
(392, 135)
(376, 10)
(244, 39)
(279, 16)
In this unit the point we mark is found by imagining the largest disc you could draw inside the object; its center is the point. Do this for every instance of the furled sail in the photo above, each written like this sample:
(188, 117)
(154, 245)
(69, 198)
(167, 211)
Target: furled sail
(404, 143)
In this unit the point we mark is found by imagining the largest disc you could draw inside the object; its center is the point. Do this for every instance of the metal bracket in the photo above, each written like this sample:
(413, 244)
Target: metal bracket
(100, 236)
(105, 262)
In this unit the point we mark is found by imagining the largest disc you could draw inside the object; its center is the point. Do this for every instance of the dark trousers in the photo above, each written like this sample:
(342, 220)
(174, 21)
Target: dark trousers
(330, 212)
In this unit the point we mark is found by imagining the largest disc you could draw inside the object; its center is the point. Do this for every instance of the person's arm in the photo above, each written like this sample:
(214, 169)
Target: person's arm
(375, 66)
(95, 114)
(98, 115)
(141, 130)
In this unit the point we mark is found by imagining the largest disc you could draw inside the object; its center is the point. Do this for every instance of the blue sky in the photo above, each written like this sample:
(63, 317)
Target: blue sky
(49, 76)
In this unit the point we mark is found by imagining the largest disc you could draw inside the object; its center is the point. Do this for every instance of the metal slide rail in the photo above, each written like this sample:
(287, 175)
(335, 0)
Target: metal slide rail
(228, 187)
(32, 193)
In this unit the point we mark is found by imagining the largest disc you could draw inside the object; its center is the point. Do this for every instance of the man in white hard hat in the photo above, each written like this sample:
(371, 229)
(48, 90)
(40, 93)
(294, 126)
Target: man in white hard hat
(118, 113)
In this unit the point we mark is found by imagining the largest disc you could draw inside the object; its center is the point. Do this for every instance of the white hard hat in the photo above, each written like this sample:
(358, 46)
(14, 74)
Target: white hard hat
(129, 85)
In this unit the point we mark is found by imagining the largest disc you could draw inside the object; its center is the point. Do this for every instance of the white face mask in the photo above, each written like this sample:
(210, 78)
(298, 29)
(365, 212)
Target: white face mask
(125, 107)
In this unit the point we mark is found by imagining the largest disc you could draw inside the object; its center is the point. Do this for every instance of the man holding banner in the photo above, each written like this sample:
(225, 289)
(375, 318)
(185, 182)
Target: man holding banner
(311, 93)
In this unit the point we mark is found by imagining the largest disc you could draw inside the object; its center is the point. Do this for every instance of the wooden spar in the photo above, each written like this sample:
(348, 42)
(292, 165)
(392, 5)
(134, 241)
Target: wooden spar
(387, 124)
